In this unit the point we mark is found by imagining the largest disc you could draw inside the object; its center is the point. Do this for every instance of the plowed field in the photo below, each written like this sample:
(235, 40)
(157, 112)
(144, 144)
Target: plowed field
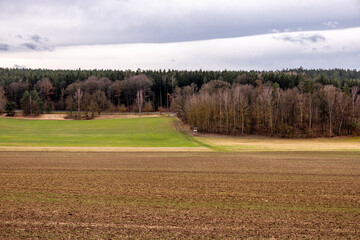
(97, 195)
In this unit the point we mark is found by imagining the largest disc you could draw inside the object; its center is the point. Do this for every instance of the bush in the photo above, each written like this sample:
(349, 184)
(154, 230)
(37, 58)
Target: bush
(135, 108)
(10, 108)
(162, 110)
(122, 108)
(148, 107)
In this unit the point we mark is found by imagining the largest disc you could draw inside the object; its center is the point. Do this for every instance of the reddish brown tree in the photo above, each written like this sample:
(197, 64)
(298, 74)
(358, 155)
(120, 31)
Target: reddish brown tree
(45, 89)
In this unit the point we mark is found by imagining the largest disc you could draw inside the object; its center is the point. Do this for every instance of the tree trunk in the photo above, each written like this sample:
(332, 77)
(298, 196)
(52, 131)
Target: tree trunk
(310, 115)
(167, 99)
(30, 103)
(341, 122)
(330, 118)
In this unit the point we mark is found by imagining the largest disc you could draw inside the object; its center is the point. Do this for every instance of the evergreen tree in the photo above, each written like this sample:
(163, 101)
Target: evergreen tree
(10, 108)
(31, 103)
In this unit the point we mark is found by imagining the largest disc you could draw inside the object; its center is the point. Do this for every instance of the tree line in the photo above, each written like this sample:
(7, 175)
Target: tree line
(294, 102)
(308, 110)
(16, 81)
(89, 97)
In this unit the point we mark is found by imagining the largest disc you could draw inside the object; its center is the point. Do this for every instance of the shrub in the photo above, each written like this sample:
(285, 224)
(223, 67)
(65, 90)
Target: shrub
(10, 108)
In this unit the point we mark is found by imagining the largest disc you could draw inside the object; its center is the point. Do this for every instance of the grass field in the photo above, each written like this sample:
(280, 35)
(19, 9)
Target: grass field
(148, 133)
(267, 195)
(258, 143)
(141, 132)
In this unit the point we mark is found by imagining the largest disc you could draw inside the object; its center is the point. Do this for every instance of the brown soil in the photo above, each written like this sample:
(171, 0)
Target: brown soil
(179, 195)
(119, 116)
(56, 116)
(40, 117)
(103, 149)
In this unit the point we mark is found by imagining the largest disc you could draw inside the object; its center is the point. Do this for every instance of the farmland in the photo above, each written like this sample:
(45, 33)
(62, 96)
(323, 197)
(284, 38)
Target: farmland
(259, 143)
(179, 195)
(139, 132)
(141, 178)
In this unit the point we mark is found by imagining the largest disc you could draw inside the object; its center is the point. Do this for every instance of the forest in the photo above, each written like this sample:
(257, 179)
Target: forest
(287, 103)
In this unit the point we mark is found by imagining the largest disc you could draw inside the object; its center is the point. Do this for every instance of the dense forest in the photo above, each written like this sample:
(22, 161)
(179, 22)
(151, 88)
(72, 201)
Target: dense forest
(311, 109)
(288, 103)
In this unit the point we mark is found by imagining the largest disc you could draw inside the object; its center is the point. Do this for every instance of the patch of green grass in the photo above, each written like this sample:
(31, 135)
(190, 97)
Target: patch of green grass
(137, 132)
(192, 139)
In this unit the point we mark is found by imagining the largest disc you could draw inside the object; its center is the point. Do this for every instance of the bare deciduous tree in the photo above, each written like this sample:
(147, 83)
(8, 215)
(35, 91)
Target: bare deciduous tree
(16, 90)
(131, 85)
(101, 101)
(45, 89)
(354, 96)
(140, 99)
(330, 95)
(78, 96)
(342, 102)
(2, 99)
(70, 104)
(267, 110)
(115, 91)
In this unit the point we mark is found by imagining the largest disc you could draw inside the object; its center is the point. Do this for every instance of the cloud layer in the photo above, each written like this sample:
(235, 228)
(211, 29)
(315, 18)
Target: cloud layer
(76, 22)
(208, 34)
(320, 49)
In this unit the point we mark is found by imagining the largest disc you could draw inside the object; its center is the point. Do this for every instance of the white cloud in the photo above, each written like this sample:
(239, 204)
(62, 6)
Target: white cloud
(332, 24)
(335, 48)
(19, 66)
(301, 38)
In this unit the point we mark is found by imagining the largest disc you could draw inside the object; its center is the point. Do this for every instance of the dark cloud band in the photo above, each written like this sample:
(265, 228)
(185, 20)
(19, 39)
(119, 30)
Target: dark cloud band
(4, 47)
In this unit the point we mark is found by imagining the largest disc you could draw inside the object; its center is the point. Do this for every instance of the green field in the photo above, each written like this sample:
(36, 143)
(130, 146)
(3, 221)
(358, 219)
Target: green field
(137, 132)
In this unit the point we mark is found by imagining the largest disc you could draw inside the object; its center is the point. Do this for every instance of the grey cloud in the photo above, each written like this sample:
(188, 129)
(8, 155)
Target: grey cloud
(4, 47)
(18, 66)
(30, 46)
(45, 48)
(76, 22)
(33, 38)
(332, 24)
(21, 41)
(302, 38)
(260, 52)
(37, 47)
(36, 38)
(315, 38)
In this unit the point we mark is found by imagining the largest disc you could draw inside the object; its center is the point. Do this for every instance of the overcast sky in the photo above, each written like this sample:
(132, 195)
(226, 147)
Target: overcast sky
(183, 34)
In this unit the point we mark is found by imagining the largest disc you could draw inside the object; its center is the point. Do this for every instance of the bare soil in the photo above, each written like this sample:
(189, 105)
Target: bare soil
(39, 117)
(124, 116)
(179, 195)
(102, 149)
(61, 116)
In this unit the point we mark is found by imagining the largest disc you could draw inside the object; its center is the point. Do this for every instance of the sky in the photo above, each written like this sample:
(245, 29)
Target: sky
(180, 34)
